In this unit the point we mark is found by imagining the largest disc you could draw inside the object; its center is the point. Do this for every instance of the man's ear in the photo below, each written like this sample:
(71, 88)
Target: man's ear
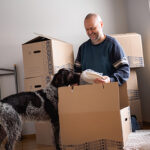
(101, 23)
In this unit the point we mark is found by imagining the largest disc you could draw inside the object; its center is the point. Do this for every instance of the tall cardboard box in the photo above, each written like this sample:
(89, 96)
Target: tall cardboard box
(132, 86)
(132, 45)
(94, 117)
(44, 132)
(44, 55)
(135, 106)
(134, 96)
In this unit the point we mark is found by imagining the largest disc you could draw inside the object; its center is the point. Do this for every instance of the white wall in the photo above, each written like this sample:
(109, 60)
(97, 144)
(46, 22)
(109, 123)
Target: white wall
(138, 14)
(62, 19)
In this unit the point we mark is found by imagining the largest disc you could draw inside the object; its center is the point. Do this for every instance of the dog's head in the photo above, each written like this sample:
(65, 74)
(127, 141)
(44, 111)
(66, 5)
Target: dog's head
(65, 77)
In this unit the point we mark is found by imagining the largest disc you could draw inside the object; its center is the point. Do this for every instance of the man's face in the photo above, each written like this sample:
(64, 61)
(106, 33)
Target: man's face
(93, 28)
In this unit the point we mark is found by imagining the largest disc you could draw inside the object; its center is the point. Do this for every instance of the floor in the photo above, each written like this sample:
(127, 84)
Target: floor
(29, 142)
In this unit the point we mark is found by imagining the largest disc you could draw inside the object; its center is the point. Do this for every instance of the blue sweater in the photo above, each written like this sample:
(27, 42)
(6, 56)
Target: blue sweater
(107, 57)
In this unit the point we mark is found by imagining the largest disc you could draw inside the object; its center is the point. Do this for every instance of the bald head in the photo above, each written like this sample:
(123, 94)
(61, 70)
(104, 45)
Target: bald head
(93, 26)
(90, 15)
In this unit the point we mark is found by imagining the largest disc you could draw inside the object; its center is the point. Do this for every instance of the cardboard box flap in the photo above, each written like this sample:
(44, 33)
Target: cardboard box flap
(36, 39)
(48, 37)
(126, 34)
(126, 122)
(124, 101)
(98, 98)
(42, 37)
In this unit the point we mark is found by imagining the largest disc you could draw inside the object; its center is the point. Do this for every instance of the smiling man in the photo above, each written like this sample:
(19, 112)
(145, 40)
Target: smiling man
(102, 53)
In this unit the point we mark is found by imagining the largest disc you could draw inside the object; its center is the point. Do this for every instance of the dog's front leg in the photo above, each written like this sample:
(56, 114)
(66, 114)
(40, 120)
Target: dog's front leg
(56, 130)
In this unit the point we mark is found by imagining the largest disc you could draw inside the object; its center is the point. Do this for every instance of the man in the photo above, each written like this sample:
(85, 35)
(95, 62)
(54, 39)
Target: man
(102, 53)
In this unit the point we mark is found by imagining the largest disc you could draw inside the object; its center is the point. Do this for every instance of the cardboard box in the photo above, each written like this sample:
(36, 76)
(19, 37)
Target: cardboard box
(36, 83)
(93, 114)
(44, 133)
(132, 45)
(134, 96)
(45, 55)
(135, 106)
(132, 86)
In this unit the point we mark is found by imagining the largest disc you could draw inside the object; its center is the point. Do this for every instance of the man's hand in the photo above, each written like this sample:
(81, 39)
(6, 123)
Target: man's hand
(105, 79)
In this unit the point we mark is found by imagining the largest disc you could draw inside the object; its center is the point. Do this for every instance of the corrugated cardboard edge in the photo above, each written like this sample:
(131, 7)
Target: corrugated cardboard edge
(44, 36)
(126, 34)
(49, 37)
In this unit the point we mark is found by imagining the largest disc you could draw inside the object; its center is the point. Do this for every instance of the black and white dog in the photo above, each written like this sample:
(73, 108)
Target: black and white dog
(39, 105)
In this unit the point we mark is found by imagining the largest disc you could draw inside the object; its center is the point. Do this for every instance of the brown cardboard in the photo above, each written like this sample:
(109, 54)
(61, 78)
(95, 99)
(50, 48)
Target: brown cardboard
(135, 106)
(90, 113)
(44, 133)
(34, 84)
(132, 86)
(132, 45)
(134, 96)
(43, 55)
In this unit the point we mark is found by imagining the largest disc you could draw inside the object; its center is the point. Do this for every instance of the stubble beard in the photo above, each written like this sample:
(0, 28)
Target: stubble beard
(96, 39)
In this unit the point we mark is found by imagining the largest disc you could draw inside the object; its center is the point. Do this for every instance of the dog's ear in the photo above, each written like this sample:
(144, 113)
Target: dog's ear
(60, 78)
(70, 76)
(65, 77)
(77, 78)
(56, 80)
(73, 78)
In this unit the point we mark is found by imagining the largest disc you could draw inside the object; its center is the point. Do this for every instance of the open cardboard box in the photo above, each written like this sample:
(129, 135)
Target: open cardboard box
(89, 113)
(45, 55)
